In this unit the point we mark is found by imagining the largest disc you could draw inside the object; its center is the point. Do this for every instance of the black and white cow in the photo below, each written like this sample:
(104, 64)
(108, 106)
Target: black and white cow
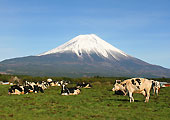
(16, 89)
(84, 85)
(69, 91)
(19, 89)
(28, 89)
(38, 89)
(156, 87)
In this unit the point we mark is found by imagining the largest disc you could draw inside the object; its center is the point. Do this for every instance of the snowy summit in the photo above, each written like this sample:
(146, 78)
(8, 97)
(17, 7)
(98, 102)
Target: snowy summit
(88, 44)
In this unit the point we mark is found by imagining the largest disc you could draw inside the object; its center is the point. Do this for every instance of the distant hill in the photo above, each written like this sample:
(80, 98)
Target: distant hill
(84, 55)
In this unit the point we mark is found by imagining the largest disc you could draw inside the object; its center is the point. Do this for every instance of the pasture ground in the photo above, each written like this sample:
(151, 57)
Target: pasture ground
(98, 103)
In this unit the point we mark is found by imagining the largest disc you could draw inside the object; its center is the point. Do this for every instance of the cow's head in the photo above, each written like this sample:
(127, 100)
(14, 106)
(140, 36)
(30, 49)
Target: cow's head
(78, 85)
(63, 86)
(116, 87)
(77, 91)
(10, 90)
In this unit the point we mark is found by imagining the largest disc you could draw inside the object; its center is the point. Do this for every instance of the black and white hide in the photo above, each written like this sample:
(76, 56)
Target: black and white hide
(28, 89)
(69, 91)
(156, 87)
(38, 89)
(15, 89)
(84, 85)
(121, 91)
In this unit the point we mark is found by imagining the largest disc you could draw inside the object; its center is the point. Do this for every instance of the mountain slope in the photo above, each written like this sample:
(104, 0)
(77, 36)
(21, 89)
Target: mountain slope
(88, 44)
(84, 55)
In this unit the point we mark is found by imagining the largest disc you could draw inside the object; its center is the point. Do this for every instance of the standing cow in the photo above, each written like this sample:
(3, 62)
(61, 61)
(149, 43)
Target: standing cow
(156, 87)
(135, 85)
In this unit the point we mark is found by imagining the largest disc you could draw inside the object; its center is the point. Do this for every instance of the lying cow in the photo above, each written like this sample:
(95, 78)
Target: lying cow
(15, 89)
(135, 85)
(28, 89)
(84, 85)
(38, 89)
(69, 91)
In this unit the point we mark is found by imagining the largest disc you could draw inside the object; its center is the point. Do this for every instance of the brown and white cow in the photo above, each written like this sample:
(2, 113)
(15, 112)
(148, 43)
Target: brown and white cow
(135, 85)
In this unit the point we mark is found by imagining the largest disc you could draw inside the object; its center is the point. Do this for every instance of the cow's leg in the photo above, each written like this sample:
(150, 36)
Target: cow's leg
(131, 97)
(157, 91)
(124, 92)
(75, 92)
(154, 91)
(147, 97)
(143, 93)
(78, 91)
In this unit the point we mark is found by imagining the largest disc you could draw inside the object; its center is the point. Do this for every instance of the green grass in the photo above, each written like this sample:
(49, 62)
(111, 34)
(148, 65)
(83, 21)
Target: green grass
(97, 103)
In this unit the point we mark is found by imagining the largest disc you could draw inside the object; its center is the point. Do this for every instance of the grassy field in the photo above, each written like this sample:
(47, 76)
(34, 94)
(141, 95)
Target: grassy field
(98, 103)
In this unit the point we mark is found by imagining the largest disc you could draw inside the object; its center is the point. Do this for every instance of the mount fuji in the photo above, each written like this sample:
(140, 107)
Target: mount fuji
(88, 44)
(84, 55)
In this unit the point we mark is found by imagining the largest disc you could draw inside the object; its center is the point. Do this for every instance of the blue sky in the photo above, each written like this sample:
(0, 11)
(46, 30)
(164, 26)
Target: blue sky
(140, 28)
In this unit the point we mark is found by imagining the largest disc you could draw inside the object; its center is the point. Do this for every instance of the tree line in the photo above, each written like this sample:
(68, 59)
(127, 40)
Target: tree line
(23, 78)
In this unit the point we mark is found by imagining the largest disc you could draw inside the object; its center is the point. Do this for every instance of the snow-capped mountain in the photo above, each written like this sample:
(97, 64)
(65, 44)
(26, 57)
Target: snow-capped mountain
(84, 55)
(88, 44)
